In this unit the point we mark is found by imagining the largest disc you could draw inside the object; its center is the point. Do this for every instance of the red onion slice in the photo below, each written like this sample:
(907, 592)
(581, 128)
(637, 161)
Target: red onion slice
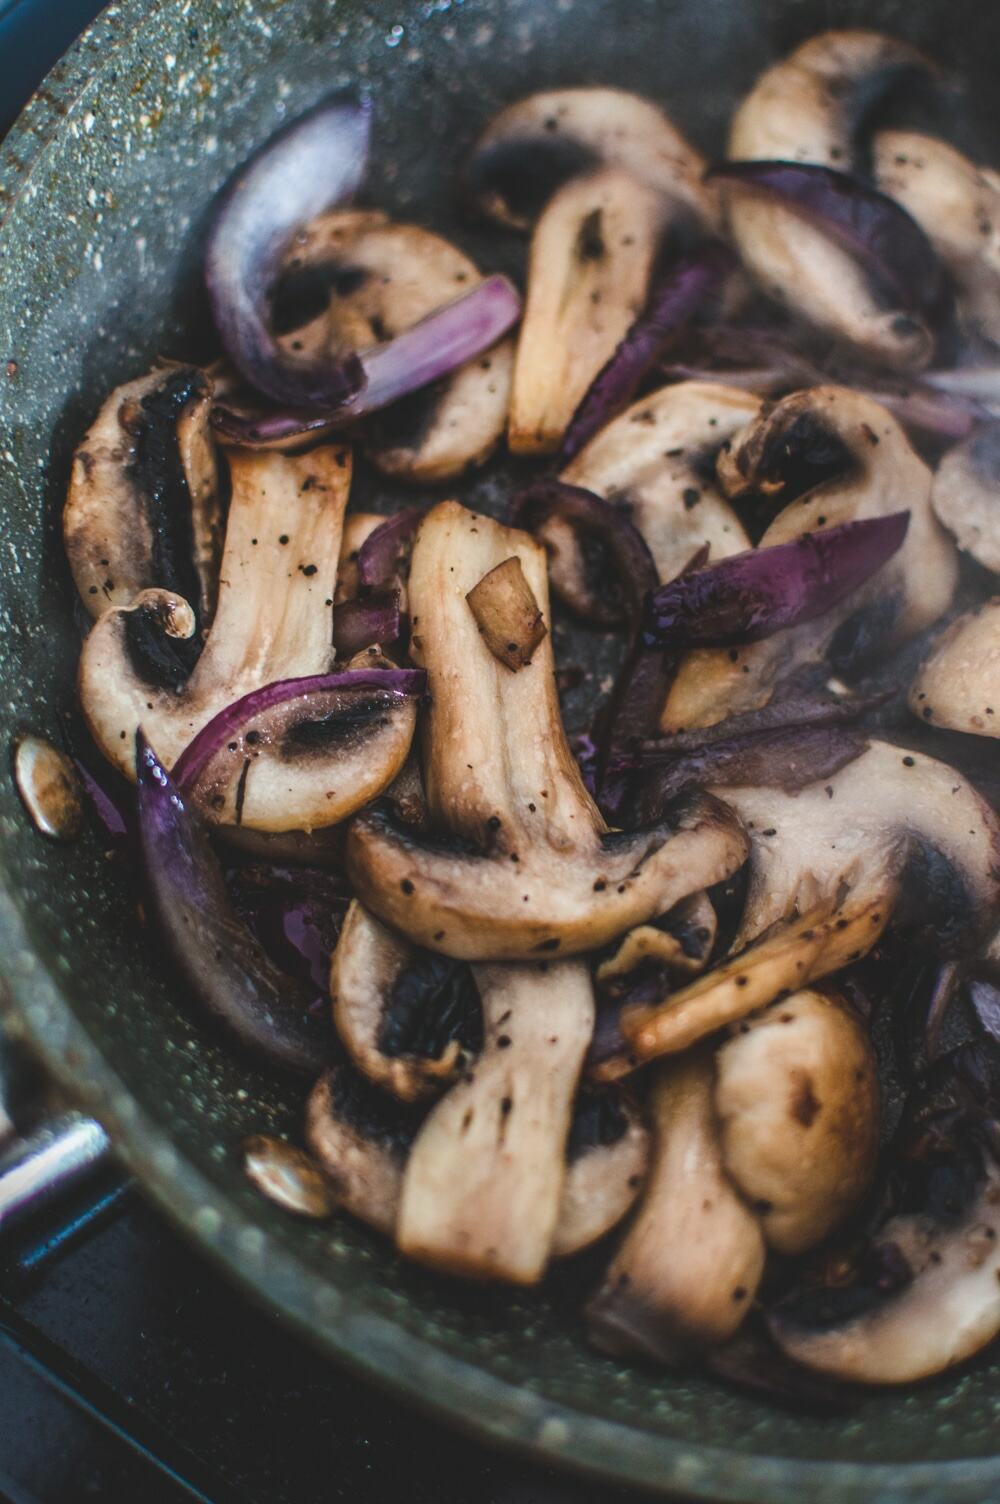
(676, 298)
(431, 349)
(752, 595)
(312, 164)
(384, 553)
(232, 723)
(867, 223)
(363, 623)
(223, 963)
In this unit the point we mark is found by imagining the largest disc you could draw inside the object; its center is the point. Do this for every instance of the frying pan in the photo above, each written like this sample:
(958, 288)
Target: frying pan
(104, 189)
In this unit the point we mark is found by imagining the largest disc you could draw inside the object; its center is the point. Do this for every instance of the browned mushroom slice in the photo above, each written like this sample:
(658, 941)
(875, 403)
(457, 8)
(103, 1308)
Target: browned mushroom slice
(485, 1177)
(536, 145)
(797, 1100)
(311, 763)
(893, 835)
(143, 503)
(959, 685)
(957, 205)
(805, 109)
(409, 1020)
(690, 1264)
(922, 1293)
(362, 1138)
(371, 281)
(592, 257)
(680, 942)
(966, 495)
(837, 456)
(524, 866)
(607, 1156)
(655, 462)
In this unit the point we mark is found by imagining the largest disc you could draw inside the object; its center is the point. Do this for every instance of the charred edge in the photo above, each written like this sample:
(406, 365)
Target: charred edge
(159, 660)
(356, 721)
(302, 293)
(160, 481)
(935, 907)
(408, 423)
(798, 456)
(599, 1120)
(434, 1001)
(383, 819)
(374, 1114)
(524, 173)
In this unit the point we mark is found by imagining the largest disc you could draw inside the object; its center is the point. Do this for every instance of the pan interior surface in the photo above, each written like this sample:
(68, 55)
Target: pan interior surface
(104, 192)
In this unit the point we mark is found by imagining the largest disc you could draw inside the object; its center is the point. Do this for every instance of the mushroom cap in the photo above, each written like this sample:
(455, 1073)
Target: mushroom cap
(142, 508)
(592, 257)
(957, 205)
(365, 971)
(966, 495)
(959, 684)
(309, 763)
(889, 808)
(652, 462)
(376, 279)
(687, 1270)
(521, 866)
(798, 1104)
(535, 145)
(843, 458)
(805, 109)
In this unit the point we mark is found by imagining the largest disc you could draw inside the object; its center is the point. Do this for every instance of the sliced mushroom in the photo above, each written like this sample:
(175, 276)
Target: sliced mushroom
(688, 1269)
(838, 456)
(957, 205)
(314, 765)
(680, 942)
(372, 280)
(805, 109)
(485, 1177)
(525, 866)
(797, 1099)
(657, 462)
(959, 685)
(592, 258)
(893, 835)
(607, 1157)
(357, 527)
(604, 173)
(966, 495)
(143, 505)
(924, 1294)
(362, 1137)
(538, 144)
(409, 1020)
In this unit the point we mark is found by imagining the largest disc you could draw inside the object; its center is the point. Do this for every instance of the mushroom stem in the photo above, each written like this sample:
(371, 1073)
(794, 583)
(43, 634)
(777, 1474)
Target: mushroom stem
(483, 1183)
(792, 957)
(686, 1274)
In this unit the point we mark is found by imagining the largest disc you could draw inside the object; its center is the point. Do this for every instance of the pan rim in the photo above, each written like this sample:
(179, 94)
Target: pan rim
(424, 1373)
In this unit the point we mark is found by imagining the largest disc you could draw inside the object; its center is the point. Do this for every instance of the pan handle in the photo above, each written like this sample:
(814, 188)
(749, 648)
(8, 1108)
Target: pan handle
(41, 1166)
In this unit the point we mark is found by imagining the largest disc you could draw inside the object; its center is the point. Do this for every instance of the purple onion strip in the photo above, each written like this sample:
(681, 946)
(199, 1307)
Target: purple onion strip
(676, 298)
(225, 966)
(359, 624)
(867, 223)
(752, 595)
(232, 722)
(385, 550)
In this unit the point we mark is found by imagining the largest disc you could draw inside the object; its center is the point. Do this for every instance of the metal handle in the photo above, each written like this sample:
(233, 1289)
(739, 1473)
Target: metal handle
(38, 1168)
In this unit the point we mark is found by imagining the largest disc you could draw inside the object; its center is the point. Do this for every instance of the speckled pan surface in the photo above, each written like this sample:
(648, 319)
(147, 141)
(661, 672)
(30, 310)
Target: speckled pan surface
(104, 188)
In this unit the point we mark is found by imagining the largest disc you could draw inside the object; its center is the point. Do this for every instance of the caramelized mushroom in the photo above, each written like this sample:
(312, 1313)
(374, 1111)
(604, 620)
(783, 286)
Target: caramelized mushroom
(958, 685)
(523, 866)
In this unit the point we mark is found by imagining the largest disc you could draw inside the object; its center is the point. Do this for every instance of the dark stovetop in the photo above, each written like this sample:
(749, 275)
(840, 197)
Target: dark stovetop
(130, 1371)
